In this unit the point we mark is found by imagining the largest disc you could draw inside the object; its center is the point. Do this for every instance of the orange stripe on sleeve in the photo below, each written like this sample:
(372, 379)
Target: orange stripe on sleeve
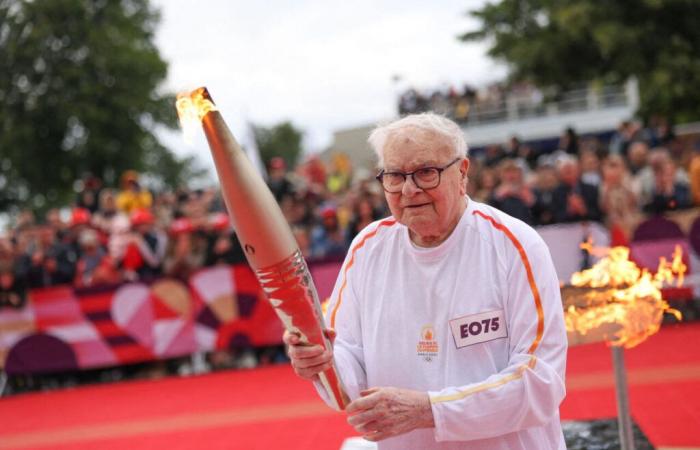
(386, 222)
(540, 322)
(530, 278)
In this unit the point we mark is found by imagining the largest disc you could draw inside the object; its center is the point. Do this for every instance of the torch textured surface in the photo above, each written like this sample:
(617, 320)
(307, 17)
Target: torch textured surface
(290, 289)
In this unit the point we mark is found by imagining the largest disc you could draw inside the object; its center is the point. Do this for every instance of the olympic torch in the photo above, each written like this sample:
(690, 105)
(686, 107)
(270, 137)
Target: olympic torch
(265, 236)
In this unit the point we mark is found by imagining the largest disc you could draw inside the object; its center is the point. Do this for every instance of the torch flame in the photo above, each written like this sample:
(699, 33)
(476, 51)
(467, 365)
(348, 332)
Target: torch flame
(191, 109)
(624, 295)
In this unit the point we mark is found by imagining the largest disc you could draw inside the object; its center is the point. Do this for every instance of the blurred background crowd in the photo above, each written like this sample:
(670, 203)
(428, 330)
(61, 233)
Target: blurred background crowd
(112, 234)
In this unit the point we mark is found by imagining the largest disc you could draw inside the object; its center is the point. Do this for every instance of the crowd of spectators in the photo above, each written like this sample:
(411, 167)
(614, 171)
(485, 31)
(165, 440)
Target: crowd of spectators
(128, 233)
(640, 171)
(470, 104)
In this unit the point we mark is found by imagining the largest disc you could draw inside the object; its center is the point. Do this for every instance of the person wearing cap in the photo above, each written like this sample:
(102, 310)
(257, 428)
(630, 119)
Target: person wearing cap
(446, 317)
(327, 237)
(278, 181)
(94, 267)
(223, 246)
(182, 257)
(132, 196)
(144, 253)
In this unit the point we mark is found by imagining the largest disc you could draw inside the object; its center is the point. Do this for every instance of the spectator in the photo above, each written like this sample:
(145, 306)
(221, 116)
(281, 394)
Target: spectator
(25, 220)
(327, 238)
(12, 290)
(12, 286)
(645, 181)
(301, 235)
(512, 195)
(53, 220)
(485, 182)
(638, 155)
(529, 155)
(590, 167)
(668, 194)
(164, 209)
(546, 182)
(132, 196)
(493, 155)
(363, 213)
(107, 212)
(89, 193)
(144, 253)
(661, 132)
(573, 199)
(80, 220)
(627, 133)
(314, 173)
(278, 181)
(568, 143)
(47, 261)
(182, 257)
(119, 239)
(340, 174)
(617, 200)
(512, 148)
(224, 246)
(94, 267)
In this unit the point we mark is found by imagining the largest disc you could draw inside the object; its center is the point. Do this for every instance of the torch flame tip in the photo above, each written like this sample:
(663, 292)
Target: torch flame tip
(191, 107)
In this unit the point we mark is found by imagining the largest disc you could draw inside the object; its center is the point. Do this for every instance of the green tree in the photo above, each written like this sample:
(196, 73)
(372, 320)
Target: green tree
(80, 92)
(567, 42)
(282, 140)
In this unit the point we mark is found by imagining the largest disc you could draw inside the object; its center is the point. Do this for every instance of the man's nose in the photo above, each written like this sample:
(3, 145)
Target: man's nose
(410, 187)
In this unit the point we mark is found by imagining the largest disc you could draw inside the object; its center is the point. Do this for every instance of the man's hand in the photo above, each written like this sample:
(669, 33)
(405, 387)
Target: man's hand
(308, 360)
(382, 413)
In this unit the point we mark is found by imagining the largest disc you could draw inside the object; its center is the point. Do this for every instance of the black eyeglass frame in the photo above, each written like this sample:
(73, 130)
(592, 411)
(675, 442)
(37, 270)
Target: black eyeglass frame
(405, 175)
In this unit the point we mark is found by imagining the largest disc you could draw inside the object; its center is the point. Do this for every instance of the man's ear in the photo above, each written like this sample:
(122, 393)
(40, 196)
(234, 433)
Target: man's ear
(464, 170)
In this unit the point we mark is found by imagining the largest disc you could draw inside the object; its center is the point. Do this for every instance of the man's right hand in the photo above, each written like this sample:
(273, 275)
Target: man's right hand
(308, 360)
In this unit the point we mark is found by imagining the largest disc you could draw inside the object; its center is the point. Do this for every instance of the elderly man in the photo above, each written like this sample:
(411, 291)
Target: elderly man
(447, 317)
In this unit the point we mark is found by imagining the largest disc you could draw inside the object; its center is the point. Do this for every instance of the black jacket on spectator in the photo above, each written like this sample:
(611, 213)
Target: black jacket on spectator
(513, 206)
(281, 188)
(146, 272)
(13, 291)
(543, 211)
(661, 202)
(39, 275)
(560, 202)
(234, 254)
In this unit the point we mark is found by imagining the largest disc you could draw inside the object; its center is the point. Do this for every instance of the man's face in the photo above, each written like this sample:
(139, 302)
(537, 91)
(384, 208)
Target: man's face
(427, 213)
(568, 173)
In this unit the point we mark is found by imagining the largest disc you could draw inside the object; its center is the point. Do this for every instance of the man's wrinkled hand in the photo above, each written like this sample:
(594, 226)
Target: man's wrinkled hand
(382, 413)
(308, 360)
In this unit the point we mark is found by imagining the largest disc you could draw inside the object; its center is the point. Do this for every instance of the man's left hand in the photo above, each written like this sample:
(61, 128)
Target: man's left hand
(382, 413)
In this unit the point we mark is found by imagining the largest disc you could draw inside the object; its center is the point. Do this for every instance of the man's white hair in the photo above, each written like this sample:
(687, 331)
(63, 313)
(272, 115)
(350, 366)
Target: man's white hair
(430, 122)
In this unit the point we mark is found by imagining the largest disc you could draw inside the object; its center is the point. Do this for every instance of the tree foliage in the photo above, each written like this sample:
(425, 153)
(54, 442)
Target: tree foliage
(566, 42)
(79, 92)
(282, 140)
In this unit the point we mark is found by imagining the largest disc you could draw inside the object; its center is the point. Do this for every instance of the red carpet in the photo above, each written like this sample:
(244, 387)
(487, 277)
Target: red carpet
(270, 408)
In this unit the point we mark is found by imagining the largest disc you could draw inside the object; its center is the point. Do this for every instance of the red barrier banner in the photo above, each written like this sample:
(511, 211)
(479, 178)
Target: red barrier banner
(61, 328)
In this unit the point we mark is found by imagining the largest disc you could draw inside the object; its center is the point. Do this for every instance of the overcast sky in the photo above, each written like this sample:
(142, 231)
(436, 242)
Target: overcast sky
(324, 65)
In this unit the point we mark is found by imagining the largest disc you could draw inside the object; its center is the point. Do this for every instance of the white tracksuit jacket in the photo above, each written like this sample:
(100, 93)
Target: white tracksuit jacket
(476, 322)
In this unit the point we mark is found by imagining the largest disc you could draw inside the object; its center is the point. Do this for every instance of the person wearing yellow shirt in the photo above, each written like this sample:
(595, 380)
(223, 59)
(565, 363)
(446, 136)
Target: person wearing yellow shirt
(132, 196)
